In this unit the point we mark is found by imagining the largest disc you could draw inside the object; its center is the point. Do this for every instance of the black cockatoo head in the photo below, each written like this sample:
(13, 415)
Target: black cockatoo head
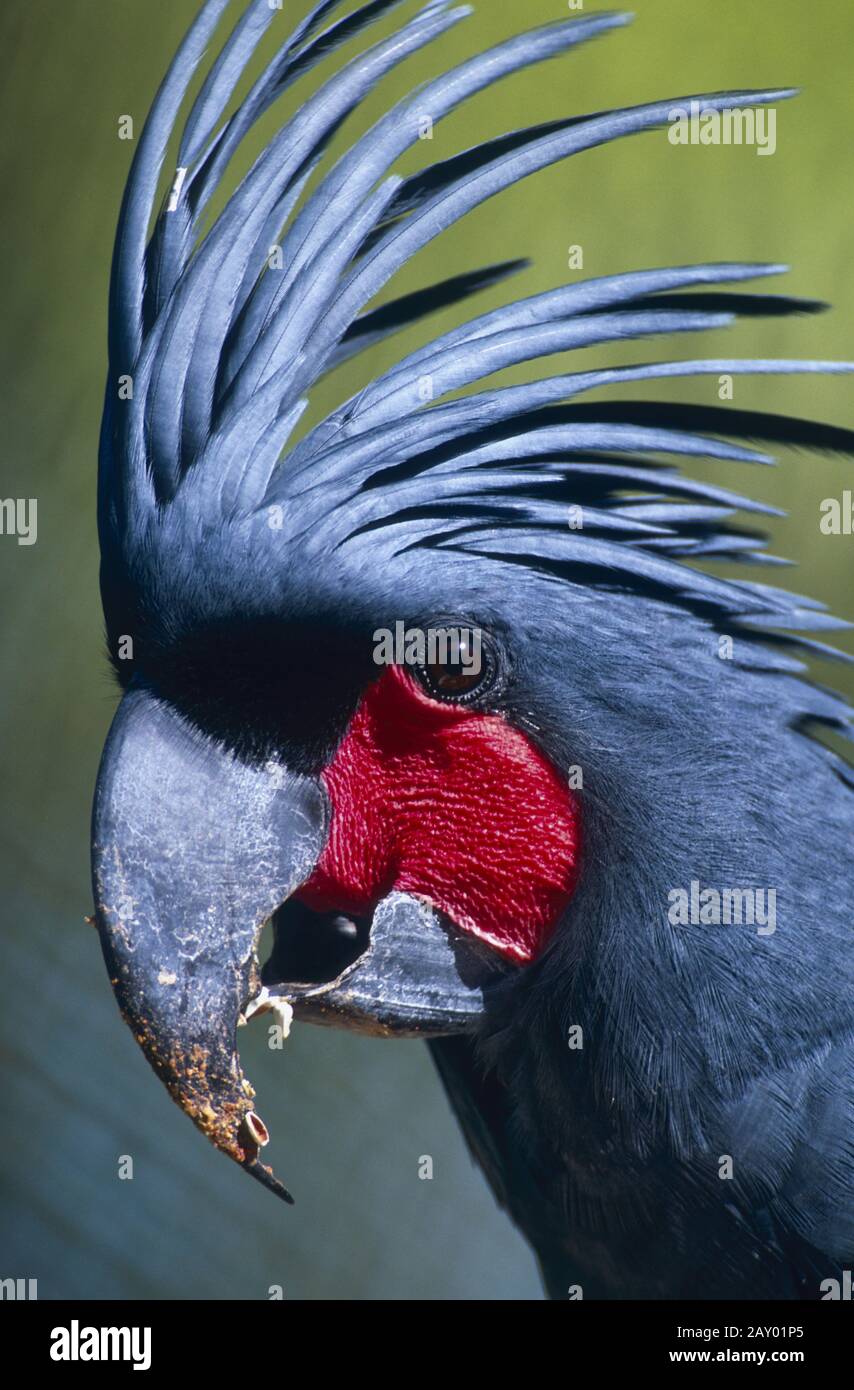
(448, 838)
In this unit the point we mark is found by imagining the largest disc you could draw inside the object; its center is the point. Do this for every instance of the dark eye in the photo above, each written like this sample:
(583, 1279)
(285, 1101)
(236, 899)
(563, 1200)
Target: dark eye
(460, 664)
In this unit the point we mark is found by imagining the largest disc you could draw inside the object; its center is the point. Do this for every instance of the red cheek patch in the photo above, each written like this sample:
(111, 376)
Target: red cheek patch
(453, 806)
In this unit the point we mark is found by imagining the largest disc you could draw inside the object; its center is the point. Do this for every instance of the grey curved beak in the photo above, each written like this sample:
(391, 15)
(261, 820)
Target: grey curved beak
(193, 851)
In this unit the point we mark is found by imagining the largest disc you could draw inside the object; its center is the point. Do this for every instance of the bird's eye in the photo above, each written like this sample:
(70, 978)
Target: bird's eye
(460, 665)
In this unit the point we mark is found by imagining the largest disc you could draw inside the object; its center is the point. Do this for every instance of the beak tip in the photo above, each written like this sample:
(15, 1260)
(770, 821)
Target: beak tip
(268, 1179)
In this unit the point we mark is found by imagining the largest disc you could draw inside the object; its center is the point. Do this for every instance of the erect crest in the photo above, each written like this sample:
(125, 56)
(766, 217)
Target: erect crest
(223, 348)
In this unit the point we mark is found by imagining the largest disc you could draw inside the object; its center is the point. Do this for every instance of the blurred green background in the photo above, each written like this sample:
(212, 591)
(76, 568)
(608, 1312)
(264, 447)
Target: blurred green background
(350, 1117)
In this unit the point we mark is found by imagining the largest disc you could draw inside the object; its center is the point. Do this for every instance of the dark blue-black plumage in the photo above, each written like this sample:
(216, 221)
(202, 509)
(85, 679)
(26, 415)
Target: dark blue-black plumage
(235, 556)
